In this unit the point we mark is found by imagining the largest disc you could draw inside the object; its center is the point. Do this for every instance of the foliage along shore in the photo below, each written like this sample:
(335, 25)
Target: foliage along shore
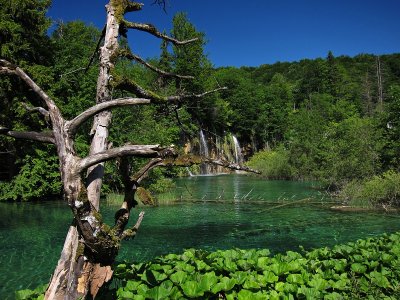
(381, 191)
(334, 119)
(365, 269)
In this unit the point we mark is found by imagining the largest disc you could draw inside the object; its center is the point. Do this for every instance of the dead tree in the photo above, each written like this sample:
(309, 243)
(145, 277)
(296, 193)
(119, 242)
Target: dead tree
(91, 246)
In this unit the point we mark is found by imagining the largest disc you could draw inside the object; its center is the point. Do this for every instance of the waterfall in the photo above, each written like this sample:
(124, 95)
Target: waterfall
(238, 150)
(189, 172)
(204, 168)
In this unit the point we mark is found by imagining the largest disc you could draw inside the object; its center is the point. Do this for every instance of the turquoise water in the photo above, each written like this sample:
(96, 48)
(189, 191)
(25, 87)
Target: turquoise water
(218, 212)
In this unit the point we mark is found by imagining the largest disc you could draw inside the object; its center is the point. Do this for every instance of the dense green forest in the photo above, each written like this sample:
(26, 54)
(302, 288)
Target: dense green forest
(332, 119)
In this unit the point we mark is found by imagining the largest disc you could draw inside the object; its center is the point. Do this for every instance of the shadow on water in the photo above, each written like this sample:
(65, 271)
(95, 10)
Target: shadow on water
(219, 212)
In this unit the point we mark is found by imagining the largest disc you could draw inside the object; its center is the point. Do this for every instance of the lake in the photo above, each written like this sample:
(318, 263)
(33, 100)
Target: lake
(209, 212)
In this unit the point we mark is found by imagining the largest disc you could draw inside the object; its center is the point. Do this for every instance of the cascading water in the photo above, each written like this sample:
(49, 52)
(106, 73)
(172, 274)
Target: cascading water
(204, 168)
(189, 172)
(238, 151)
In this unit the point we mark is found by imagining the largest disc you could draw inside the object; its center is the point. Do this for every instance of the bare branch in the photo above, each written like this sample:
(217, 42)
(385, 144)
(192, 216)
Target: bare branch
(72, 72)
(182, 127)
(8, 68)
(130, 233)
(102, 35)
(127, 150)
(131, 186)
(189, 160)
(41, 110)
(73, 125)
(162, 3)
(129, 55)
(132, 86)
(153, 30)
(29, 135)
(143, 172)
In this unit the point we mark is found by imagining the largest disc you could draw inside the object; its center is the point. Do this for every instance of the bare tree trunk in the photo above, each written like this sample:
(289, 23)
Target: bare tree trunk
(102, 120)
(71, 278)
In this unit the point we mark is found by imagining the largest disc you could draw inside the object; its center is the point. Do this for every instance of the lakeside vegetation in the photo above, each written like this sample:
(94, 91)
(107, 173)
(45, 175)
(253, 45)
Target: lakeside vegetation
(332, 119)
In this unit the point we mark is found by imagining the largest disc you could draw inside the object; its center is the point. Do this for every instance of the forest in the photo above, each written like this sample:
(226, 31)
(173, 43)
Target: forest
(333, 120)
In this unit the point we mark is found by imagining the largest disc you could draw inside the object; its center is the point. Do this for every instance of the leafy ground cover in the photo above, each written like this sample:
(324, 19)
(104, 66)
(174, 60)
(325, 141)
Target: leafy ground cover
(366, 269)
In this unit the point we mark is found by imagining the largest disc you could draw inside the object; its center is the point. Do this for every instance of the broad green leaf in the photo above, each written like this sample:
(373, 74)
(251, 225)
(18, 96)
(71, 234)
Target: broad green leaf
(295, 278)
(358, 268)
(180, 265)
(279, 286)
(263, 262)
(178, 277)
(188, 255)
(142, 289)
(23, 294)
(333, 296)
(340, 285)
(201, 265)
(162, 291)
(318, 282)
(340, 264)
(120, 293)
(229, 265)
(245, 295)
(379, 279)
(132, 285)
(190, 289)
(270, 277)
(207, 281)
(240, 277)
(225, 284)
(252, 284)
(309, 293)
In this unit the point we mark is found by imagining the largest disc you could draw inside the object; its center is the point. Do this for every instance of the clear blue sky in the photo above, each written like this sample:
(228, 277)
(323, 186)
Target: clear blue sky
(255, 32)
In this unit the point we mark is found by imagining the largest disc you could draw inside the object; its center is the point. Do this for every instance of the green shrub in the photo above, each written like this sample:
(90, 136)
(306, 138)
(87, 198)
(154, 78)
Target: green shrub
(274, 164)
(377, 191)
(39, 177)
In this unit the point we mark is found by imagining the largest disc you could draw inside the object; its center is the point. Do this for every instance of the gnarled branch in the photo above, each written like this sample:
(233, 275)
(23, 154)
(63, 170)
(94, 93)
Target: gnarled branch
(153, 30)
(73, 125)
(130, 233)
(130, 85)
(40, 110)
(127, 150)
(188, 160)
(29, 135)
(129, 55)
(9, 68)
(143, 172)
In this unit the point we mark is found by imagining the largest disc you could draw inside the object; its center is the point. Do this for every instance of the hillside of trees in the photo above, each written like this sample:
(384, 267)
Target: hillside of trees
(332, 119)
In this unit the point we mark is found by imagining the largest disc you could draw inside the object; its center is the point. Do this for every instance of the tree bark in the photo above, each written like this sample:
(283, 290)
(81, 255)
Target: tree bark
(72, 278)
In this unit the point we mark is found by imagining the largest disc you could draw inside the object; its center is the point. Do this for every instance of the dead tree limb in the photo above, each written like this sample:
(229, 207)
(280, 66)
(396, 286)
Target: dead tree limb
(154, 31)
(9, 68)
(45, 137)
(131, 232)
(73, 125)
(131, 56)
(132, 86)
(128, 150)
(40, 110)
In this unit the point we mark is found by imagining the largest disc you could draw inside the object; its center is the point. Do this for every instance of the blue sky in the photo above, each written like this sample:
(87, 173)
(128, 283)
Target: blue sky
(255, 32)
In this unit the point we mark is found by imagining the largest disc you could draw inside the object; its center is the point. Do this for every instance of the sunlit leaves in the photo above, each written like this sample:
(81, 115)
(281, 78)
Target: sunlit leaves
(347, 271)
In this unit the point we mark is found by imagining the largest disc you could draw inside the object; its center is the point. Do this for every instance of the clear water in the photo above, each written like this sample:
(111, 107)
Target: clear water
(213, 212)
